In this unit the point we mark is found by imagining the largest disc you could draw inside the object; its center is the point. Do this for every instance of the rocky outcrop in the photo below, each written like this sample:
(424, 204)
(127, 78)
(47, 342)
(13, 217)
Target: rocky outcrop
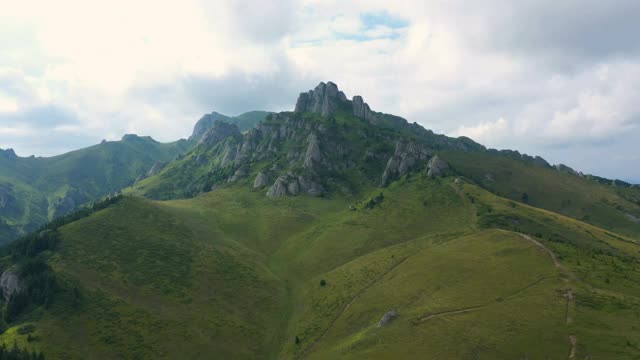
(436, 167)
(205, 123)
(8, 154)
(312, 154)
(289, 184)
(565, 169)
(156, 168)
(241, 173)
(325, 99)
(9, 282)
(218, 132)
(7, 197)
(405, 158)
(67, 203)
(541, 162)
(283, 186)
(633, 217)
(138, 179)
(387, 317)
(363, 111)
(261, 180)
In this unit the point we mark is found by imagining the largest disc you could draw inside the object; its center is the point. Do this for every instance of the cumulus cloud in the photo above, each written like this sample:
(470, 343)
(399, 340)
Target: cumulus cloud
(552, 78)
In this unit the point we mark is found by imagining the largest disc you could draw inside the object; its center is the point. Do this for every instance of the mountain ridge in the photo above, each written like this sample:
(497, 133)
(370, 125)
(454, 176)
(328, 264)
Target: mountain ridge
(294, 238)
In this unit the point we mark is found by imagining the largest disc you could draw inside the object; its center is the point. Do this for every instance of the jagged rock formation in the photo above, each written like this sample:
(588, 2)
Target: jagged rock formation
(387, 317)
(325, 99)
(9, 282)
(541, 162)
(218, 132)
(436, 167)
(8, 154)
(7, 197)
(309, 155)
(241, 173)
(363, 111)
(567, 170)
(261, 180)
(312, 155)
(156, 168)
(67, 203)
(405, 158)
(205, 123)
(290, 184)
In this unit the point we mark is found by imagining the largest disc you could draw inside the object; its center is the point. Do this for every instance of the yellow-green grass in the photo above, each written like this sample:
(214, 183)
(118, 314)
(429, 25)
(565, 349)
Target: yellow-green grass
(236, 274)
(579, 198)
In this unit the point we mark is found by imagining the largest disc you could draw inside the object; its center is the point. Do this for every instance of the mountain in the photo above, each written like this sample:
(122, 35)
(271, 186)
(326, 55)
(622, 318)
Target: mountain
(334, 231)
(243, 121)
(34, 190)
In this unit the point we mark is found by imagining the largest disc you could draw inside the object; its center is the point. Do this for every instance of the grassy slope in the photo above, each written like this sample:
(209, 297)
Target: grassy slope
(87, 173)
(236, 273)
(601, 205)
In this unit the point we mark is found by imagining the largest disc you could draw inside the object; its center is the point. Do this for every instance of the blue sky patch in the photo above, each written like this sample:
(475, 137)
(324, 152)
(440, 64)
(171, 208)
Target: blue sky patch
(382, 18)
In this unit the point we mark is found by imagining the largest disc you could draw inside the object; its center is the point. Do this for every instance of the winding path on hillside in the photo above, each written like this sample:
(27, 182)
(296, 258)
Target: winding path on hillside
(512, 296)
(310, 348)
(553, 257)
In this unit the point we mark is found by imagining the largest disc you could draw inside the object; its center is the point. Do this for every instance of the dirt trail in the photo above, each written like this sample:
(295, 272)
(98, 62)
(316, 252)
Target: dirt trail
(553, 257)
(569, 296)
(477, 307)
(451, 312)
(573, 340)
(310, 348)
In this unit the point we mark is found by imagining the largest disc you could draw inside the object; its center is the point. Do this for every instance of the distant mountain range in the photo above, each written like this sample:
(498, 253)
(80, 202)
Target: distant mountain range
(35, 190)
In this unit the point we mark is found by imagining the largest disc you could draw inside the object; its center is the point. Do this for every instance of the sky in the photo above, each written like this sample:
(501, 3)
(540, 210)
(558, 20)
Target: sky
(559, 79)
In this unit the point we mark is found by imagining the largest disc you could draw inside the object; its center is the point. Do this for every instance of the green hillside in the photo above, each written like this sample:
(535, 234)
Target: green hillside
(611, 207)
(34, 190)
(335, 232)
(237, 273)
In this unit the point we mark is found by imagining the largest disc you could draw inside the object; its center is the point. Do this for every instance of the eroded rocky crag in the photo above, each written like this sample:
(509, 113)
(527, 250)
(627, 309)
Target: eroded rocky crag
(309, 151)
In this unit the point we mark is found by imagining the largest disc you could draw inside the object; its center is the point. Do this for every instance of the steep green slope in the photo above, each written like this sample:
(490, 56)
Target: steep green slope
(236, 273)
(34, 190)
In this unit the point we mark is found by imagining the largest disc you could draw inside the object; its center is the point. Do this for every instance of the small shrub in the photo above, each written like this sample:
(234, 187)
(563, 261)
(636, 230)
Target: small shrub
(323, 282)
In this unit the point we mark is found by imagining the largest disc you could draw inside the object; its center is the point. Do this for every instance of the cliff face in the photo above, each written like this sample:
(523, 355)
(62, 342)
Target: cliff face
(327, 144)
(326, 99)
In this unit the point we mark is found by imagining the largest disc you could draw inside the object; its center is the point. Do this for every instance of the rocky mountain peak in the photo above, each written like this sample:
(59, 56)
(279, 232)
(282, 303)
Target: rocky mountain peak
(8, 153)
(325, 99)
(219, 131)
(205, 123)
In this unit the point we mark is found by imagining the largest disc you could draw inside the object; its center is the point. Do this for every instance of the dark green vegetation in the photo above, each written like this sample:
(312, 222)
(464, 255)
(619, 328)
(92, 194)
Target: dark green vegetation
(325, 237)
(34, 190)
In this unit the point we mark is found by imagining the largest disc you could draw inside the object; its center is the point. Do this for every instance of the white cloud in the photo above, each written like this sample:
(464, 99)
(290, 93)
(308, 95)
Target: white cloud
(489, 71)
(8, 105)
